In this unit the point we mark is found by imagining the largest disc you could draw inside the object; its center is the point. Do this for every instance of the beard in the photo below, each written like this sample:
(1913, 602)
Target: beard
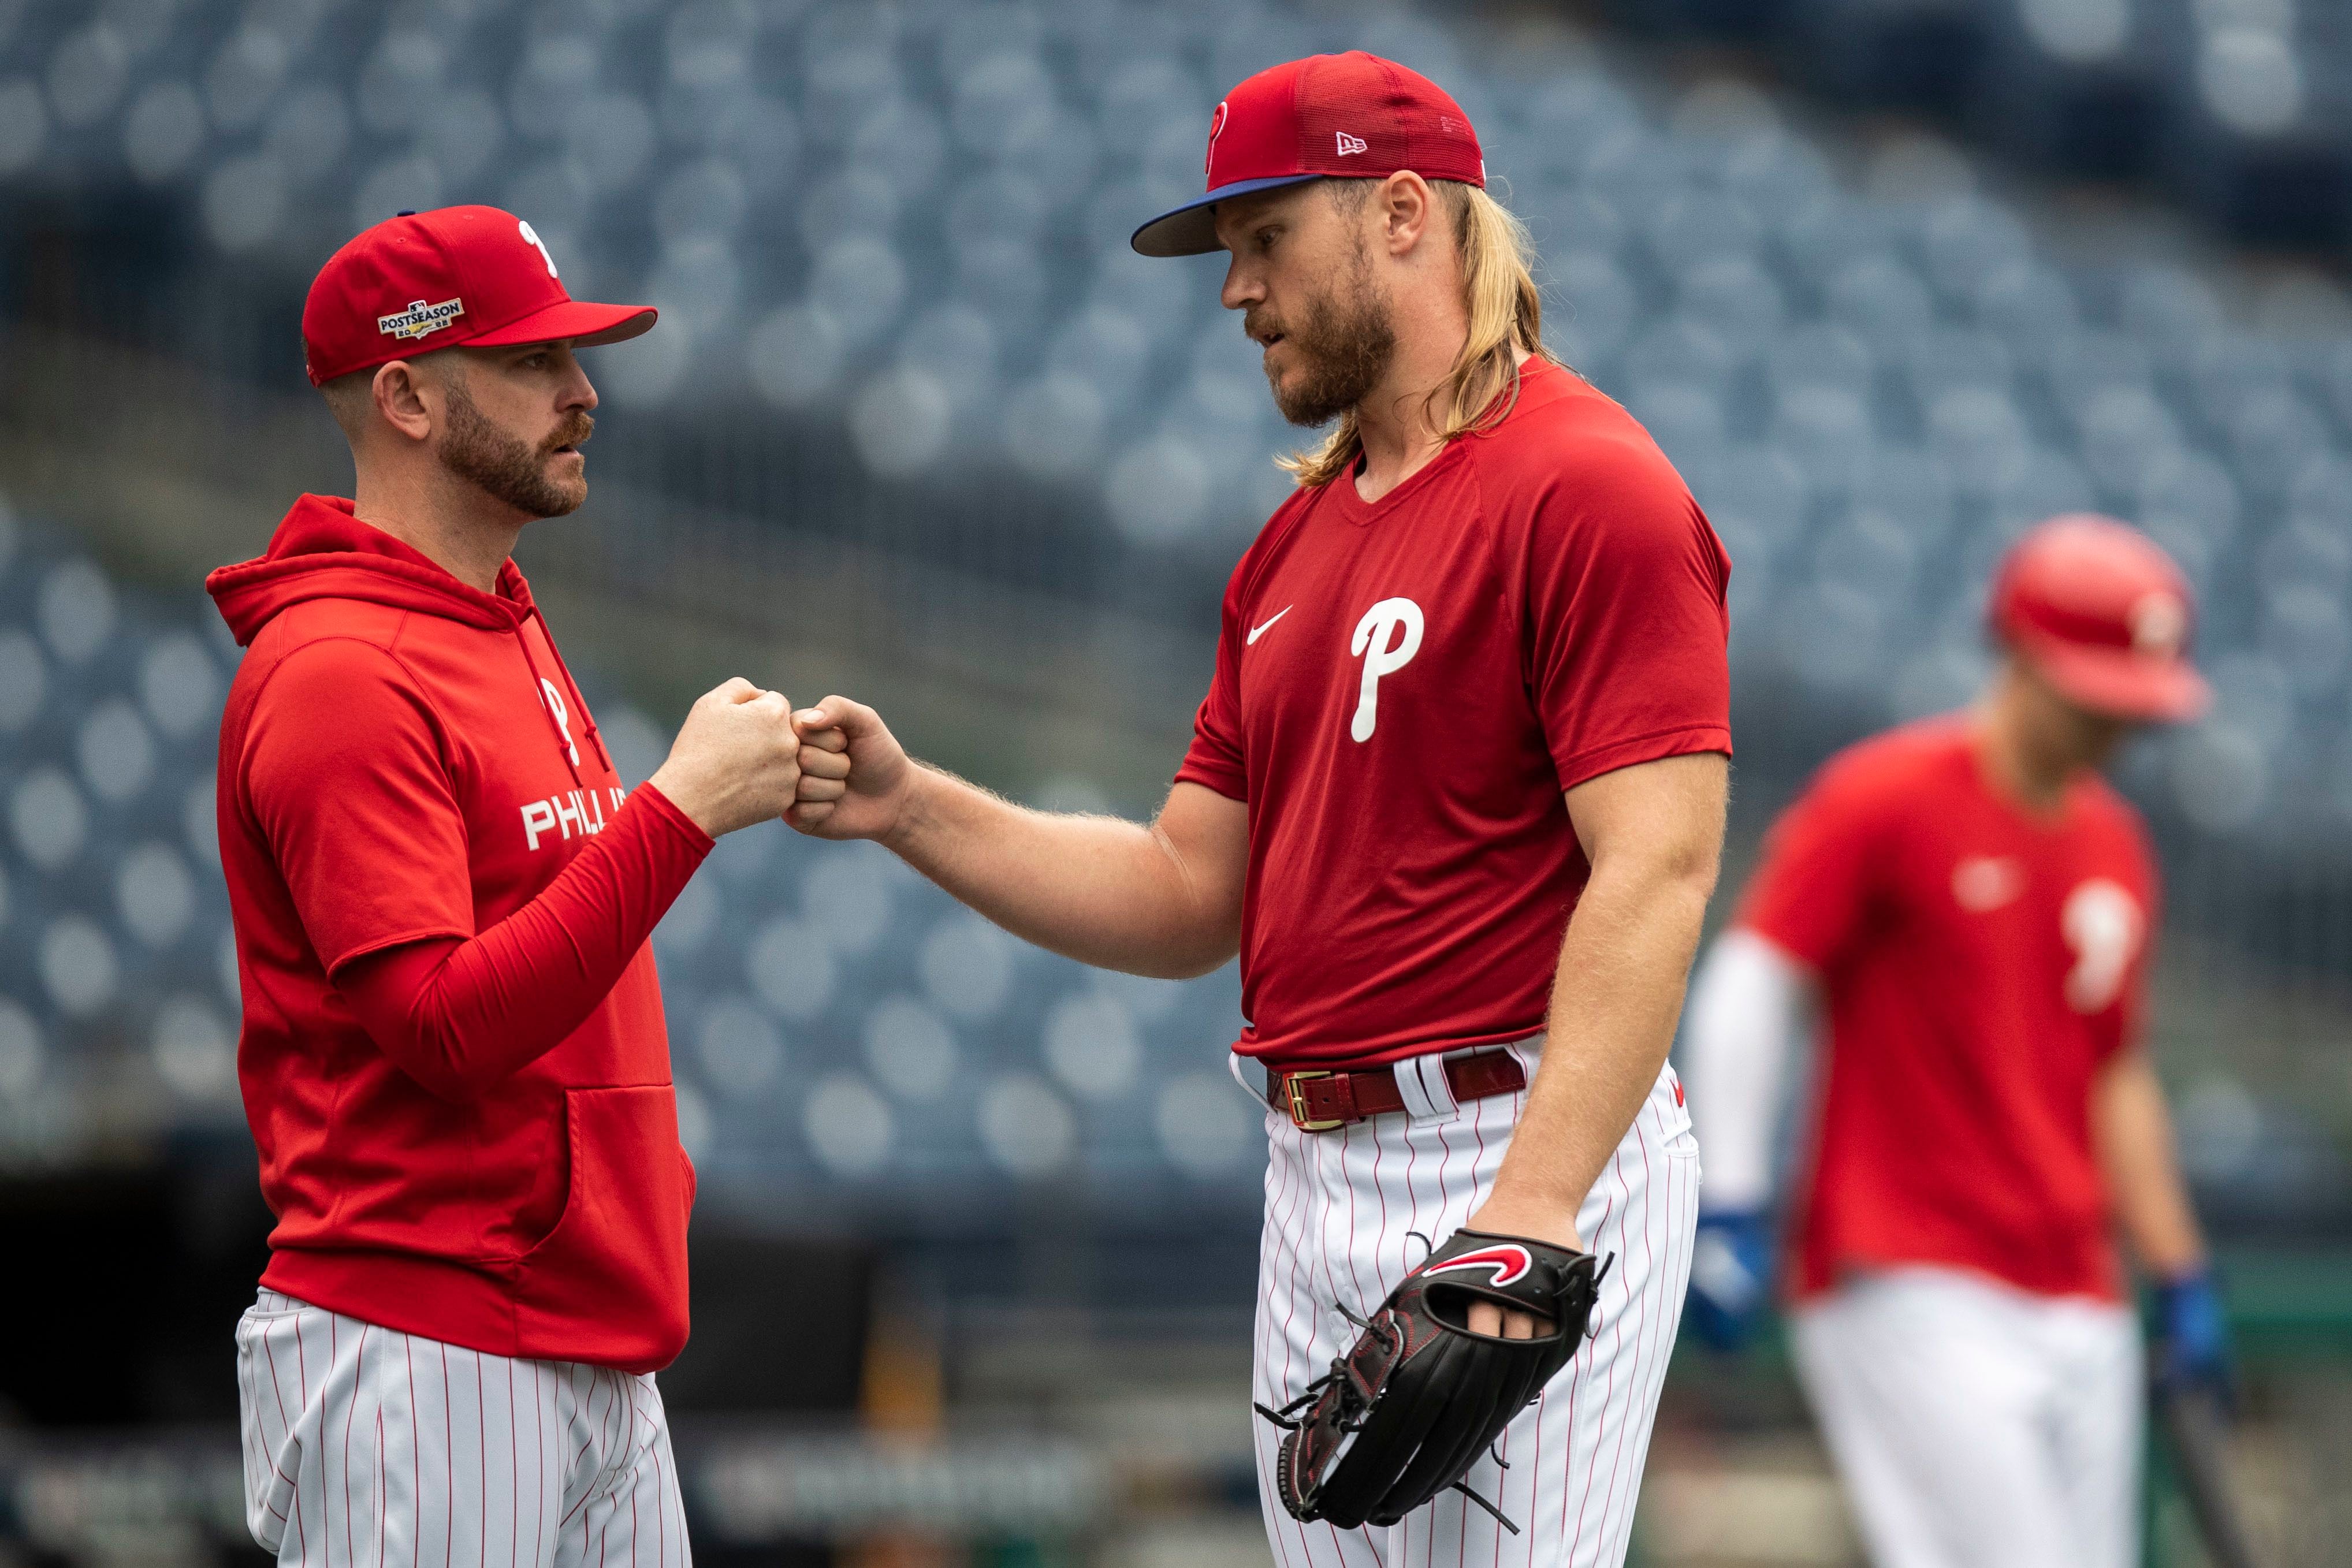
(507, 468)
(1344, 341)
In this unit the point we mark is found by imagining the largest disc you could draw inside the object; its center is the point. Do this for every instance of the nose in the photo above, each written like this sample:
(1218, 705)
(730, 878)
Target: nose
(578, 391)
(1243, 286)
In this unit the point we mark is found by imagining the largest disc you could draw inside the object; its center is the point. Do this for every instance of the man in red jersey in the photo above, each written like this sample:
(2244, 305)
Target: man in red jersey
(1973, 903)
(1455, 796)
(453, 1059)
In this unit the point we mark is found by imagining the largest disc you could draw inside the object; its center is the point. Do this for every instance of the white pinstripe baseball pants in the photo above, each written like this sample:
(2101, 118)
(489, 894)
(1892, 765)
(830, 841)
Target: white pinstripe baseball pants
(365, 1448)
(1339, 1206)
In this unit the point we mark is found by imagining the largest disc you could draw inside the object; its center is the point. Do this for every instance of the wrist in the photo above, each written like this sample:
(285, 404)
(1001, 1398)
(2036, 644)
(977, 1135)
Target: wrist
(653, 798)
(1511, 1209)
(681, 793)
(911, 825)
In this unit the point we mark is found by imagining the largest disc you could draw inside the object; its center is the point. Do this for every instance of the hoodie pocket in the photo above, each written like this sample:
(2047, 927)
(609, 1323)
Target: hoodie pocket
(608, 1284)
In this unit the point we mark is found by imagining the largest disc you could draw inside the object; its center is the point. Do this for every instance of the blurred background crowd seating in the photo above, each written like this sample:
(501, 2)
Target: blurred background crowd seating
(917, 425)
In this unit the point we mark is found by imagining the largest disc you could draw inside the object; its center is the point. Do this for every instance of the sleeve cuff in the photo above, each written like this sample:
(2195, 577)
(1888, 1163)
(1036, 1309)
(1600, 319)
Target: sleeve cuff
(666, 810)
(1231, 785)
(1583, 766)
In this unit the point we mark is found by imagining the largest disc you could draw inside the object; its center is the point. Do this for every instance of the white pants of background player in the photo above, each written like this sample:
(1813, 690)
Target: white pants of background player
(1978, 1426)
(369, 1449)
(1341, 1208)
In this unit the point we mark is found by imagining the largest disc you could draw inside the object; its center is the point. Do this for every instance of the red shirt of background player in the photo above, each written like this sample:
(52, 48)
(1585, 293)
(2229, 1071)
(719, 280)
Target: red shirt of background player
(1404, 691)
(1981, 965)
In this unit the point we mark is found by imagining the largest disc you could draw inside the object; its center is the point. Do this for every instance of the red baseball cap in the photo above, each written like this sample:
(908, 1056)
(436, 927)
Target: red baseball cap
(1352, 116)
(2104, 614)
(424, 281)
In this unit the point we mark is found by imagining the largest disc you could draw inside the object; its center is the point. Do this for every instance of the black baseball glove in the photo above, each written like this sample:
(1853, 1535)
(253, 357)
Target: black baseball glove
(1407, 1409)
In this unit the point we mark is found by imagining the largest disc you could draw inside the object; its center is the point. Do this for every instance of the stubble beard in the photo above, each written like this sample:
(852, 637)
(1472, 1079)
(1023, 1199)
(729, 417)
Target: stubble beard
(507, 468)
(1345, 340)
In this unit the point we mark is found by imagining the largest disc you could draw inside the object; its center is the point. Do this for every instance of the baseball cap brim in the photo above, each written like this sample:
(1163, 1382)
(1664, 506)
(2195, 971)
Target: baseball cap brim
(584, 324)
(2119, 682)
(1192, 229)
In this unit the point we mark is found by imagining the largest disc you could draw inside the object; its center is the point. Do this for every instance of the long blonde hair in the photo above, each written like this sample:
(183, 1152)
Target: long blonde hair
(1505, 313)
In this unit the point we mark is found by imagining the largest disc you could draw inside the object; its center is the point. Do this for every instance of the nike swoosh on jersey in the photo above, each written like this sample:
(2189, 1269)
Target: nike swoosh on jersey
(1258, 631)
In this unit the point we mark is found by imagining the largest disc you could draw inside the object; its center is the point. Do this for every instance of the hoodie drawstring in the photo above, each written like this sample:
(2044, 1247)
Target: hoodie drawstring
(541, 687)
(578, 703)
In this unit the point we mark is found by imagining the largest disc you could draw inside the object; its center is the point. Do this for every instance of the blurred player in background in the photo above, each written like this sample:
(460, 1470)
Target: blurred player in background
(1470, 696)
(1972, 904)
(453, 1057)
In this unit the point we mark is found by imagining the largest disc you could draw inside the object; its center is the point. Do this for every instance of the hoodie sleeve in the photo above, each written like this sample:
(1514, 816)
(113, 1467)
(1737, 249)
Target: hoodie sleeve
(460, 1017)
(347, 774)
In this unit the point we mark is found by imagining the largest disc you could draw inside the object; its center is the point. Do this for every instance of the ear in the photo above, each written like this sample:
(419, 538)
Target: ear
(399, 399)
(1407, 208)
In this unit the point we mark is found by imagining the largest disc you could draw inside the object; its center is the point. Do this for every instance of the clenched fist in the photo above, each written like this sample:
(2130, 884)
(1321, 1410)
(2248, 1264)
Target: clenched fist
(736, 761)
(856, 779)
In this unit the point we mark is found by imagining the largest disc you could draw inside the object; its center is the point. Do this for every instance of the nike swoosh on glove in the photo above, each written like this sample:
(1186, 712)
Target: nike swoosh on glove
(1731, 1278)
(2193, 1337)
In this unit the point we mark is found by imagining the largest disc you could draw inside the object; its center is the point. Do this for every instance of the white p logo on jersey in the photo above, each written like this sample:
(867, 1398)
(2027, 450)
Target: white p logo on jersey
(2103, 925)
(1381, 656)
(562, 717)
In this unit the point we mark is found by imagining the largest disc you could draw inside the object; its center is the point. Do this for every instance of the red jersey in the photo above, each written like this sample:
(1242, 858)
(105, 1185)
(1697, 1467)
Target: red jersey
(404, 760)
(1981, 965)
(1405, 688)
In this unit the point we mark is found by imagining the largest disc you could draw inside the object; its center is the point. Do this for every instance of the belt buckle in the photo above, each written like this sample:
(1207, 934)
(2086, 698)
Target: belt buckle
(1298, 1118)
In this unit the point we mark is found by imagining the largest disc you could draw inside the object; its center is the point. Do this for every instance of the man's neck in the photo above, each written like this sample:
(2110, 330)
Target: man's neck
(1400, 423)
(452, 525)
(2022, 763)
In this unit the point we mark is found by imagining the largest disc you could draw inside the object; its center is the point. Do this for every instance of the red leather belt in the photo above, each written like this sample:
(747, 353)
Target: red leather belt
(1317, 1102)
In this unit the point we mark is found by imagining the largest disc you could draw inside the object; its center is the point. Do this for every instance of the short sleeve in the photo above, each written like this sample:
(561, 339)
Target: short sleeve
(2129, 1027)
(1625, 617)
(1816, 879)
(345, 773)
(1215, 759)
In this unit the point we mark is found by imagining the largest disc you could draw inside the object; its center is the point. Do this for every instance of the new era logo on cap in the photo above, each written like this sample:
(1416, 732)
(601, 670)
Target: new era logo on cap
(1350, 144)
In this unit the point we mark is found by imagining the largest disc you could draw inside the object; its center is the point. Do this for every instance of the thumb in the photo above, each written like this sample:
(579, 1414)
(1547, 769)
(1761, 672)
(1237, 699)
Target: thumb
(854, 719)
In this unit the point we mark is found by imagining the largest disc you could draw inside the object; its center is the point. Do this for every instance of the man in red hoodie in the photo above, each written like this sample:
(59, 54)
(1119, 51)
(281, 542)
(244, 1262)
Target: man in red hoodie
(453, 1058)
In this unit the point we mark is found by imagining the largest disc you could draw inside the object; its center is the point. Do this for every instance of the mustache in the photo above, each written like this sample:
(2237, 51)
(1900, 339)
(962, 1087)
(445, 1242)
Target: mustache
(578, 428)
(1258, 322)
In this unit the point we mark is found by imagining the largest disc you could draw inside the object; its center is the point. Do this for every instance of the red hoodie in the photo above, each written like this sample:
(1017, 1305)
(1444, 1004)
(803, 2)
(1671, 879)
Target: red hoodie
(471, 1136)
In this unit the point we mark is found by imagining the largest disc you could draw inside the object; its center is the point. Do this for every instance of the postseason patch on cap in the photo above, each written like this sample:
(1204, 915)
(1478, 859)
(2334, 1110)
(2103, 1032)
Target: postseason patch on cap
(420, 318)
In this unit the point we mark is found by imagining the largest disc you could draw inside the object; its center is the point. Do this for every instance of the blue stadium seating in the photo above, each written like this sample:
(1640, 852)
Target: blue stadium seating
(905, 226)
(2238, 106)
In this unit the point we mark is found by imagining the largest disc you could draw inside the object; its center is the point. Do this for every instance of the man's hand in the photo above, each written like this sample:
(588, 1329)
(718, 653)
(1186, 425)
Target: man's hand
(1731, 1278)
(1500, 1215)
(736, 761)
(855, 779)
(2191, 1339)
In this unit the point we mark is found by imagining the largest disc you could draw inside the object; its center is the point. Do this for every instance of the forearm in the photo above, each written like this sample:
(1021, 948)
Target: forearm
(461, 1016)
(1750, 1004)
(2133, 1135)
(1614, 1003)
(1113, 893)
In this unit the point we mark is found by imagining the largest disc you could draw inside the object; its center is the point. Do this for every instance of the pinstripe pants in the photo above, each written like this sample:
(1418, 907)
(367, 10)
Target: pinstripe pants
(1339, 1208)
(365, 1448)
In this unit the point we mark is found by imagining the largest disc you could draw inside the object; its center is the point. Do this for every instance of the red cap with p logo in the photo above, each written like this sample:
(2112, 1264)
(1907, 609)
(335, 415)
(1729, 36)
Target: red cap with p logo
(2104, 616)
(1352, 116)
(424, 281)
